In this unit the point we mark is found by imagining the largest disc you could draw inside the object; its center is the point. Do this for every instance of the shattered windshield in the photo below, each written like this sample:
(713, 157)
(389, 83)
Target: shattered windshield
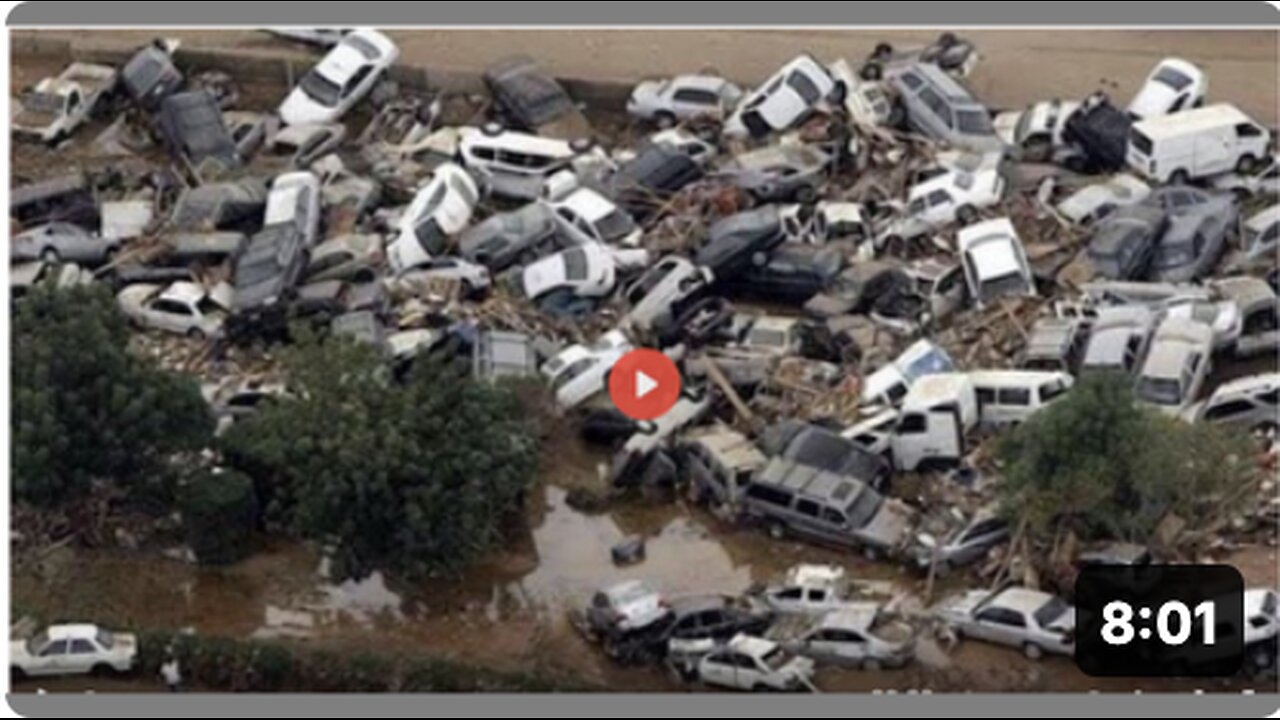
(1172, 78)
(321, 89)
(1051, 611)
(864, 508)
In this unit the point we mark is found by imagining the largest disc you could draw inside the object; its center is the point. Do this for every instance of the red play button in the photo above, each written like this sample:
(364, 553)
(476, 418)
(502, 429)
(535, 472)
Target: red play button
(644, 384)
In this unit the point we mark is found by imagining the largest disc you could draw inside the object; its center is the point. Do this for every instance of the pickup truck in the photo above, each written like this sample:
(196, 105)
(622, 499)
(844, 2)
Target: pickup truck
(58, 106)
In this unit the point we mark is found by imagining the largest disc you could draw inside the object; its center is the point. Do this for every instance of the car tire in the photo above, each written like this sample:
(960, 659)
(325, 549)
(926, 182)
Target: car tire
(872, 665)
(364, 277)
(759, 687)
(777, 530)
(1032, 651)
(872, 71)
(1246, 164)
(196, 334)
(1179, 177)
(664, 119)
(966, 214)
(882, 51)
(16, 674)
(50, 255)
(805, 195)
(102, 670)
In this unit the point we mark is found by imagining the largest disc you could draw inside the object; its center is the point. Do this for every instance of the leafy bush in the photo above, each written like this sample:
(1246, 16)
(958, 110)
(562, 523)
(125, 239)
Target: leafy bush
(219, 510)
(416, 478)
(84, 408)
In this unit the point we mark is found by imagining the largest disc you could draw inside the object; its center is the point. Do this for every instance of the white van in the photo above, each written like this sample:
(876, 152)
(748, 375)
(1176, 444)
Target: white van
(1196, 143)
(513, 164)
(937, 414)
(1007, 397)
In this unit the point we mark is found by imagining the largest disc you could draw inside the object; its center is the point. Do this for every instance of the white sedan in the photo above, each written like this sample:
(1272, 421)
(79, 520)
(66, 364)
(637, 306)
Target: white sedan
(183, 308)
(1173, 86)
(949, 196)
(751, 663)
(683, 97)
(474, 278)
(1034, 621)
(442, 208)
(341, 79)
(995, 263)
(581, 371)
(858, 635)
(588, 271)
(73, 650)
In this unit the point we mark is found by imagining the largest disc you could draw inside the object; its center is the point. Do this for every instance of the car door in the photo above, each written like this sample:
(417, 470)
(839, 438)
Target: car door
(81, 656)
(50, 660)
(1001, 625)
(720, 669)
(749, 673)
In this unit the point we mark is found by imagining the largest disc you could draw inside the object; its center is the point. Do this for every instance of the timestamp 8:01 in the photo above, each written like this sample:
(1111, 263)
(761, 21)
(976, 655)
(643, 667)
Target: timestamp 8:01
(1118, 628)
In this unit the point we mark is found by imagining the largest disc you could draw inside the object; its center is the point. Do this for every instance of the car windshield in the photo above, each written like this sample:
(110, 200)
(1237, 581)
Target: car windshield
(321, 89)
(575, 265)
(1269, 604)
(367, 49)
(1172, 78)
(776, 659)
(615, 226)
(1160, 391)
(804, 87)
(1051, 611)
(933, 362)
(36, 642)
(572, 372)
(40, 102)
(1010, 283)
(974, 122)
(864, 508)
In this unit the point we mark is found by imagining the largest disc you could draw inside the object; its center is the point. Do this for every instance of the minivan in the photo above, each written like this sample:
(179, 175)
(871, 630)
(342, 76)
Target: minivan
(1196, 143)
(1008, 397)
(827, 507)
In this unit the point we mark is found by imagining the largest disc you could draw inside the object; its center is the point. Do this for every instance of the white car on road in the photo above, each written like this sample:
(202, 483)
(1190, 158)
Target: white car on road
(751, 663)
(683, 97)
(73, 650)
(441, 209)
(183, 308)
(341, 79)
(581, 371)
(1033, 621)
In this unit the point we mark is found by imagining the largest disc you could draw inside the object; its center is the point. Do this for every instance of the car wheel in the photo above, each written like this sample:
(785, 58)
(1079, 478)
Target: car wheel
(806, 194)
(50, 255)
(1038, 149)
(102, 670)
(1179, 177)
(872, 71)
(17, 674)
(759, 687)
(967, 214)
(1032, 651)
(882, 51)
(195, 334)
(777, 530)
(871, 665)
(1246, 164)
(664, 119)
(365, 276)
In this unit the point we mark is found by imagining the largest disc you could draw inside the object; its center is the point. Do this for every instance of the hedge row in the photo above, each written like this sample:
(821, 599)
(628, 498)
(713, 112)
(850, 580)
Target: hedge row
(226, 664)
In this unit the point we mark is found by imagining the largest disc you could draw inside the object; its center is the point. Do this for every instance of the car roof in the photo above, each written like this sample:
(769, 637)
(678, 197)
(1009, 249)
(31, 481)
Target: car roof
(76, 630)
(1191, 121)
(185, 292)
(732, 448)
(854, 616)
(930, 390)
(1022, 599)
(1247, 385)
(750, 645)
(588, 203)
(941, 81)
(517, 142)
(992, 247)
(812, 482)
(714, 83)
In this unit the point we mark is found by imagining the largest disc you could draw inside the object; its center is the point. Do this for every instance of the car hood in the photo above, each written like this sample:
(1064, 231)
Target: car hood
(1153, 100)
(645, 92)
(642, 612)
(18, 651)
(299, 109)
(891, 525)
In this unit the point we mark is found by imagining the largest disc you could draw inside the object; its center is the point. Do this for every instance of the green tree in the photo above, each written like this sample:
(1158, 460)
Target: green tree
(1111, 468)
(414, 477)
(219, 511)
(85, 409)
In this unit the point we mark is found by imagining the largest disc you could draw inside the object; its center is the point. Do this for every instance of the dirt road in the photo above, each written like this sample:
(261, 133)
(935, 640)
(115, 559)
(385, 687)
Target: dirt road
(1019, 66)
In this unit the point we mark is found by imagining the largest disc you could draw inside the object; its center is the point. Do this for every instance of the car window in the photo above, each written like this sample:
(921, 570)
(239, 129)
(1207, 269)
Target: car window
(791, 593)
(769, 494)
(1228, 409)
(939, 197)
(1002, 616)
(82, 647)
(1013, 396)
(912, 424)
(1051, 390)
(835, 517)
(817, 595)
(804, 87)
(695, 96)
(911, 80)
(807, 507)
(171, 307)
(1270, 398)
(57, 647)
(354, 82)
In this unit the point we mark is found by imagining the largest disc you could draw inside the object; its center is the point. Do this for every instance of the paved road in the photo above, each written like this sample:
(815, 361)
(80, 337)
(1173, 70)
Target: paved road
(1019, 66)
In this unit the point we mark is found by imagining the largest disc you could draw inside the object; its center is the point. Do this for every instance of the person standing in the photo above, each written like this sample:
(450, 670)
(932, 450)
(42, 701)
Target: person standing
(172, 674)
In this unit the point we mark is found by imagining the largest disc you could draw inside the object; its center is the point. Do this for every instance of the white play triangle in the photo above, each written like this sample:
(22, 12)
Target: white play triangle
(644, 384)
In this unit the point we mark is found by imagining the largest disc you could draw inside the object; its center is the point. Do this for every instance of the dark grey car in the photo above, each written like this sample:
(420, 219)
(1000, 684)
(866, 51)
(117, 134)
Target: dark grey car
(266, 275)
(739, 240)
(780, 172)
(508, 238)
(818, 447)
(1191, 247)
(1123, 245)
(533, 100)
(192, 127)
